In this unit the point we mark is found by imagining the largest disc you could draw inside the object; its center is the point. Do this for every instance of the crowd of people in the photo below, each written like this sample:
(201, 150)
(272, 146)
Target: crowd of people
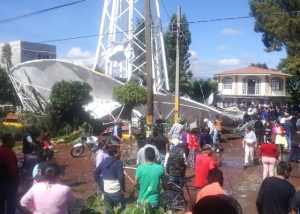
(161, 161)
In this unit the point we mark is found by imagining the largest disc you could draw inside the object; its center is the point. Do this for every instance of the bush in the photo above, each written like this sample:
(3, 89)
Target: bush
(16, 132)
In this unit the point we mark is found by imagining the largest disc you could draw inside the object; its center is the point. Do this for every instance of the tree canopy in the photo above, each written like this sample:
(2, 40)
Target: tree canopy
(130, 95)
(6, 87)
(6, 53)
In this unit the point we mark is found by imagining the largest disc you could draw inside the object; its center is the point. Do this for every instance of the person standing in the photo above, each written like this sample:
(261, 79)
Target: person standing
(183, 138)
(267, 131)
(49, 196)
(246, 118)
(29, 139)
(9, 175)
(162, 145)
(113, 178)
(117, 135)
(289, 130)
(249, 143)
(204, 162)
(175, 163)
(101, 155)
(141, 159)
(176, 129)
(213, 134)
(258, 130)
(276, 192)
(295, 149)
(148, 177)
(280, 140)
(269, 156)
(219, 127)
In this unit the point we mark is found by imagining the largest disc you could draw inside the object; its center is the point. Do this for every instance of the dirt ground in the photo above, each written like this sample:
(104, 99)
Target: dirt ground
(242, 183)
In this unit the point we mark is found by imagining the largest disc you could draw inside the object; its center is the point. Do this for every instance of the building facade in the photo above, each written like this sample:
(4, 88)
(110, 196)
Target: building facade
(26, 51)
(252, 85)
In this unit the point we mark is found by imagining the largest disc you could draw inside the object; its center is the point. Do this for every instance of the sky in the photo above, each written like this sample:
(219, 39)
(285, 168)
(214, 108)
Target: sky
(216, 46)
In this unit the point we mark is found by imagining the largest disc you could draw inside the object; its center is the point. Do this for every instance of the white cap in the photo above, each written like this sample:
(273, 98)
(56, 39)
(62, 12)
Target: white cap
(175, 142)
(205, 120)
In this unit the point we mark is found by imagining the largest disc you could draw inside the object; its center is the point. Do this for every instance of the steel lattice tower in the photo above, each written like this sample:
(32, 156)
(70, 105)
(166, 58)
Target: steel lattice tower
(121, 49)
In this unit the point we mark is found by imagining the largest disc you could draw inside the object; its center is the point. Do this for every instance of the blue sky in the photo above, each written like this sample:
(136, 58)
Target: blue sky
(216, 46)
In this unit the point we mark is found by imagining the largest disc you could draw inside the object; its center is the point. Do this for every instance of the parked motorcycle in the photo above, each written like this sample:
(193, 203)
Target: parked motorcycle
(78, 149)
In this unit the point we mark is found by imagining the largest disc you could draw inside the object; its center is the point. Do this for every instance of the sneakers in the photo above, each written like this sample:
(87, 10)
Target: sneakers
(245, 165)
(218, 150)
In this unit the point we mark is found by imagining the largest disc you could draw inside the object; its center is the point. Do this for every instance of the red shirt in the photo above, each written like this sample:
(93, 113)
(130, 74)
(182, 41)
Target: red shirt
(9, 159)
(48, 144)
(203, 164)
(268, 150)
(192, 141)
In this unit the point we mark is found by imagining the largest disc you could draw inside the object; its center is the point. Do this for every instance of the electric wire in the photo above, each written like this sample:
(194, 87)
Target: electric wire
(38, 12)
(165, 8)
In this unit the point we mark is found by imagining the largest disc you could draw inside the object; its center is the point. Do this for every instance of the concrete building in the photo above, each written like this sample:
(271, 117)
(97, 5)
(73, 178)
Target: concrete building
(252, 85)
(26, 51)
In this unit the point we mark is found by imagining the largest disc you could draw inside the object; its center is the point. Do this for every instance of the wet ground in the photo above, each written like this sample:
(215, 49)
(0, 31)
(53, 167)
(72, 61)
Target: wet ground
(242, 183)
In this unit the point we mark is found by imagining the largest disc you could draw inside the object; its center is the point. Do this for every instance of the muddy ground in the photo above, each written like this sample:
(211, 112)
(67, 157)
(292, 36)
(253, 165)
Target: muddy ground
(242, 183)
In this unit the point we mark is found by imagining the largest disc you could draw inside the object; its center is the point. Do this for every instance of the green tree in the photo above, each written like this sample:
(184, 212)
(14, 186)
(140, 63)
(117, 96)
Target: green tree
(68, 99)
(202, 89)
(6, 53)
(260, 65)
(184, 64)
(130, 95)
(279, 23)
(6, 87)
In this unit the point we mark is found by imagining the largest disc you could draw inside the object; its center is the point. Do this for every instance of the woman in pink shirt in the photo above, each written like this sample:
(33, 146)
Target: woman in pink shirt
(269, 154)
(49, 196)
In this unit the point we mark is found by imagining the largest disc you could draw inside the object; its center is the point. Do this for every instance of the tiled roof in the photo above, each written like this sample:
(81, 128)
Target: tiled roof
(251, 70)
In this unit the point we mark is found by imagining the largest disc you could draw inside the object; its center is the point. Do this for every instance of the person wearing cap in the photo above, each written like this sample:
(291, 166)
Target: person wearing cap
(140, 159)
(268, 153)
(248, 144)
(117, 135)
(29, 138)
(213, 134)
(204, 162)
(175, 163)
(176, 129)
(289, 130)
(9, 175)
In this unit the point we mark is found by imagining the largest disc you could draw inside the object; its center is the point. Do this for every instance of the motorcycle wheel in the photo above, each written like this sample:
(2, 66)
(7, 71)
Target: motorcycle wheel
(77, 151)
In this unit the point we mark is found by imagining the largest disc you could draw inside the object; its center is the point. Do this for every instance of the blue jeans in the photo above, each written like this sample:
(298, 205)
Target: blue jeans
(176, 179)
(8, 197)
(295, 152)
(289, 140)
(162, 158)
(114, 199)
(215, 139)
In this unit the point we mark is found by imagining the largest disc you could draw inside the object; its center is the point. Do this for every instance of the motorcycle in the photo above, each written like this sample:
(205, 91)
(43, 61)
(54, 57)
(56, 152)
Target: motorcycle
(78, 148)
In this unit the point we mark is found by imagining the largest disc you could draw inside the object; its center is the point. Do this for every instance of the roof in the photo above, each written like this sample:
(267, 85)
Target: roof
(252, 70)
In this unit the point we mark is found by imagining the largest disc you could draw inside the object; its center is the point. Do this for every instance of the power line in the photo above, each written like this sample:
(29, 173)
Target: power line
(165, 8)
(38, 12)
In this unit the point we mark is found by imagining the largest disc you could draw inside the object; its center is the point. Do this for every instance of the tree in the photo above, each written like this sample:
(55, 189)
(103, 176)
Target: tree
(279, 23)
(130, 95)
(260, 65)
(184, 64)
(202, 89)
(6, 87)
(6, 53)
(68, 98)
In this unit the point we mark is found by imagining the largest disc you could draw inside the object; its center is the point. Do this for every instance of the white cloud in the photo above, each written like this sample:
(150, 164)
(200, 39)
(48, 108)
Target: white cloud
(77, 56)
(229, 62)
(223, 47)
(231, 31)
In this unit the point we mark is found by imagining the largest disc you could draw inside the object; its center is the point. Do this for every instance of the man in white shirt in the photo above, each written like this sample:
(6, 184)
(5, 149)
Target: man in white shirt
(141, 153)
(176, 130)
(249, 143)
(213, 134)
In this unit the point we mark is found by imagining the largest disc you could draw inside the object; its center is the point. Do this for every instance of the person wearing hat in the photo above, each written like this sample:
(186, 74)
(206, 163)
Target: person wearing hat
(204, 162)
(176, 129)
(29, 138)
(116, 134)
(213, 134)
(175, 163)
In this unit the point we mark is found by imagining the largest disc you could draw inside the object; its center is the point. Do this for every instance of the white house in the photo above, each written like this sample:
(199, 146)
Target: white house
(252, 85)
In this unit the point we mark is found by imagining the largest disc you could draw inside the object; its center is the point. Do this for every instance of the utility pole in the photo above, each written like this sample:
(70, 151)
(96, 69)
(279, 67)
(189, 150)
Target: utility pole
(149, 67)
(177, 97)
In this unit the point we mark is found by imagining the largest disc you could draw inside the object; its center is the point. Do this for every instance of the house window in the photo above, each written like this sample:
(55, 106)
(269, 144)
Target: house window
(251, 86)
(227, 83)
(276, 84)
(39, 56)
